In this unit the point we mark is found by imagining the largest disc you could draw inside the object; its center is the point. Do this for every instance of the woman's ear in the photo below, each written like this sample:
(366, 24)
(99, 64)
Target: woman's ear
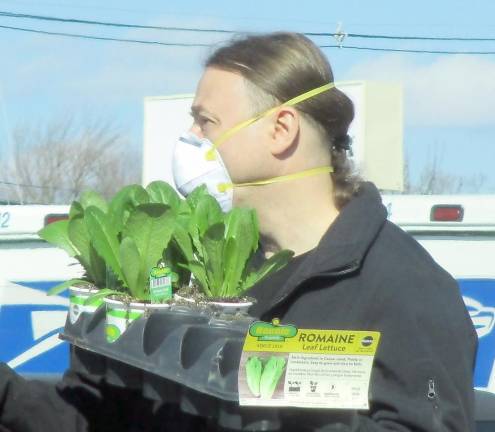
(284, 131)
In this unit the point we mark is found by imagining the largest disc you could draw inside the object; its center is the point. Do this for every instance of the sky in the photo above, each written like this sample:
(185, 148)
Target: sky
(449, 100)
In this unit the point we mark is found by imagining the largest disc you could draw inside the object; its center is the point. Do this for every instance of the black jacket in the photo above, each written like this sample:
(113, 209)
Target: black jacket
(367, 274)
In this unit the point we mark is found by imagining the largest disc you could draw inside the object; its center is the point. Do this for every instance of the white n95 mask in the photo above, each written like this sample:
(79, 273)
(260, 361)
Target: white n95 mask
(192, 169)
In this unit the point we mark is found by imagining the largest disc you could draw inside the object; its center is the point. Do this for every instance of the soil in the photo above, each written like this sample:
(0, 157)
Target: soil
(193, 293)
(244, 299)
(127, 299)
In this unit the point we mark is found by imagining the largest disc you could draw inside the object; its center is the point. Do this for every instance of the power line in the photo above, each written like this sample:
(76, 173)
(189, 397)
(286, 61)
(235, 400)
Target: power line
(83, 36)
(112, 24)
(419, 38)
(184, 44)
(407, 50)
(36, 186)
(226, 31)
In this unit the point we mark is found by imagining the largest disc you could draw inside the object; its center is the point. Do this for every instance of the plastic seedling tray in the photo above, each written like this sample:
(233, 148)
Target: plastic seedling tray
(183, 346)
(188, 357)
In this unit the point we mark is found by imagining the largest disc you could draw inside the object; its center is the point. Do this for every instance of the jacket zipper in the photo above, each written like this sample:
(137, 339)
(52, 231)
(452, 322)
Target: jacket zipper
(433, 398)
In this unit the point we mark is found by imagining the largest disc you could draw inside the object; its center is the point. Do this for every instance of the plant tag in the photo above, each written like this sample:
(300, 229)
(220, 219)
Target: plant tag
(160, 284)
(282, 365)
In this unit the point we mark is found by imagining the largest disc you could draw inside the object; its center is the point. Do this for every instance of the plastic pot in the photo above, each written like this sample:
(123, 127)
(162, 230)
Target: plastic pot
(120, 315)
(77, 298)
(231, 308)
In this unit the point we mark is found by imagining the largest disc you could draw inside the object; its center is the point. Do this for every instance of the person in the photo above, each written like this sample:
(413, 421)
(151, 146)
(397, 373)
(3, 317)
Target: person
(267, 111)
(270, 132)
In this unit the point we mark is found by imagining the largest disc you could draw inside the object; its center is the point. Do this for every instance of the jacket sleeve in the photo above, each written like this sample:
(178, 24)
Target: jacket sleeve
(30, 405)
(78, 403)
(422, 376)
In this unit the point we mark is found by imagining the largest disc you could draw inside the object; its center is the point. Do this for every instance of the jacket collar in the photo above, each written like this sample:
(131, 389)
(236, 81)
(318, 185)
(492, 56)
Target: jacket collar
(342, 248)
(351, 235)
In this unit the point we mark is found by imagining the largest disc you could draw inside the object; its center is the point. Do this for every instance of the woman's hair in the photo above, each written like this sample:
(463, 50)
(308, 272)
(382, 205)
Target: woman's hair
(280, 66)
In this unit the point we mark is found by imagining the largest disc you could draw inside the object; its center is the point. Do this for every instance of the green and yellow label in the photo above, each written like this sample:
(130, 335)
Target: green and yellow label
(274, 337)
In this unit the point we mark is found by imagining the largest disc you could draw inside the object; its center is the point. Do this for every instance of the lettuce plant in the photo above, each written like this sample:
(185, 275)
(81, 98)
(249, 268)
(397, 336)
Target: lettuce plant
(119, 242)
(73, 236)
(222, 249)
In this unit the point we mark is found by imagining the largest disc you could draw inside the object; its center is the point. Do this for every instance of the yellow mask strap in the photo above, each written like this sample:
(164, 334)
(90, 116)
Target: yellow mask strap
(210, 154)
(223, 187)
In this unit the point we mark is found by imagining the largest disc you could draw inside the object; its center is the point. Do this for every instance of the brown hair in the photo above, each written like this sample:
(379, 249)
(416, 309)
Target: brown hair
(279, 66)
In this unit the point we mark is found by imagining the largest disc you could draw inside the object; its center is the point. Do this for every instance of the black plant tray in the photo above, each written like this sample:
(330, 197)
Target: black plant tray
(188, 347)
(181, 356)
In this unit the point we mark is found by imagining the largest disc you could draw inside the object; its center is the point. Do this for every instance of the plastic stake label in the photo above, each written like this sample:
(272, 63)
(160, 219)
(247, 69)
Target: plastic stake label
(160, 284)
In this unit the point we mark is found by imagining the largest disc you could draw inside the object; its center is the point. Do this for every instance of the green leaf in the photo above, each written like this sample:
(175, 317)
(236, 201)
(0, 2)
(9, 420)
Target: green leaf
(57, 289)
(256, 230)
(151, 227)
(184, 208)
(162, 193)
(104, 238)
(173, 256)
(111, 280)
(183, 241)
(199, 273)
(207, 213)
(124, 202)
(241, 235)
(91, 198)
(76, 209)
(134, 273)
(98, 267)
(243, 221)
(57, 234)
(233, 268)
(271, 265)
(213, 242)
(194, 197)
(79, 236)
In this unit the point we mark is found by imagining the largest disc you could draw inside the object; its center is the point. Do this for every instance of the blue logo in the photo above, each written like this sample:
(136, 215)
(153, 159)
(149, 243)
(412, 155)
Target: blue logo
(29, 325)
(479, 297)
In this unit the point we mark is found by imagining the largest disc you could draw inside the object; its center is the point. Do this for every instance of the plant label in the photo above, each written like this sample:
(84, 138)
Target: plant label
(160, 284)
(282, 365)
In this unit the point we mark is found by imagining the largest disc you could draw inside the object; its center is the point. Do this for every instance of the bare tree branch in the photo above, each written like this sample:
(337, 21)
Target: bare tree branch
(56, 162)
(434, 180)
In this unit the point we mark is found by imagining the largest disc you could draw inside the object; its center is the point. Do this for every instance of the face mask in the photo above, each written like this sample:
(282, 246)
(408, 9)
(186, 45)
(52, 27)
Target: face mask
(196, 161)
(191, 169)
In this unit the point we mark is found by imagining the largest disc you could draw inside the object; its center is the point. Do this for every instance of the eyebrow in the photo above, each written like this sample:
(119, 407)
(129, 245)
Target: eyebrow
(198, 110)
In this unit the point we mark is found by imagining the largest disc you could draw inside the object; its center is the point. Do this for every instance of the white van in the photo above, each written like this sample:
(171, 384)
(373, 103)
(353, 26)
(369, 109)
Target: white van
(29, 319)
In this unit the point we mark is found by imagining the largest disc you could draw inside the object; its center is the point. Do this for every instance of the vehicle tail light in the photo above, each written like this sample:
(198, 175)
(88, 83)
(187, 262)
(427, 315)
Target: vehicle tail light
(447, 213)
(50, 218)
